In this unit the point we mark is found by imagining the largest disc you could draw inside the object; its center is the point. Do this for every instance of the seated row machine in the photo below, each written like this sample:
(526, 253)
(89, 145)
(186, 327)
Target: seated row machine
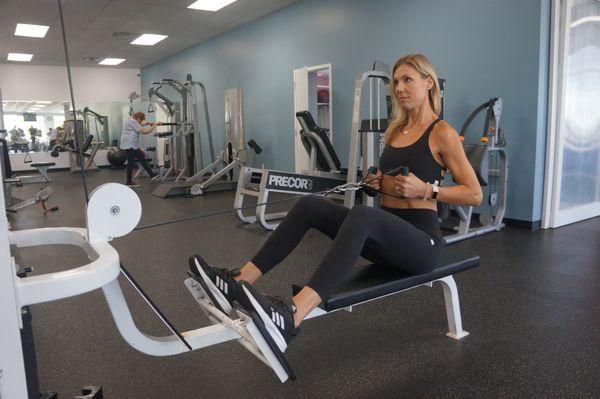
(113, 211)
(324, 172)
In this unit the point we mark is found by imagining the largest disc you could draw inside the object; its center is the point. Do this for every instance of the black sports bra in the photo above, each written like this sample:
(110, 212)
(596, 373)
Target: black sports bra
(416, 156)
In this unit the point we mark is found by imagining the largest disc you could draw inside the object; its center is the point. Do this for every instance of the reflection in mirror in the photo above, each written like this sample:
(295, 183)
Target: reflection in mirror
(318, 92)
(312, 93)
(103, 120)
(35, 126)
(29, 124)
(43, 126)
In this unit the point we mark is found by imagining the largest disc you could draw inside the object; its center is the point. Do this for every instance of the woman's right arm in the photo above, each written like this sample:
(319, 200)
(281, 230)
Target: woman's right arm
(149, 128)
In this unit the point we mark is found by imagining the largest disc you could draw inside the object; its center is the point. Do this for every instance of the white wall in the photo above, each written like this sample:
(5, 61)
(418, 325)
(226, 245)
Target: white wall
(50, 83)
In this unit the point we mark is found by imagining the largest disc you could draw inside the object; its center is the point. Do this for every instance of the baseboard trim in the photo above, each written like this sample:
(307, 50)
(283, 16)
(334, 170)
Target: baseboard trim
(524, 224)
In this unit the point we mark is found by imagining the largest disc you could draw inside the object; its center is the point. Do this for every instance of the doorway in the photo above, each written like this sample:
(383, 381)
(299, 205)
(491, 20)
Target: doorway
(312, 92)
(572, 186)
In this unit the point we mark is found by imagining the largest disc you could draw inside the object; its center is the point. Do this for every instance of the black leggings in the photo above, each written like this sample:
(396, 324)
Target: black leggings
(377, 235)
(132, 154)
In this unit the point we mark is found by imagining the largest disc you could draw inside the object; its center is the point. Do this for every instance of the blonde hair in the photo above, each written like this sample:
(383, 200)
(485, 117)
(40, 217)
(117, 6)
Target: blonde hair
(422, 65)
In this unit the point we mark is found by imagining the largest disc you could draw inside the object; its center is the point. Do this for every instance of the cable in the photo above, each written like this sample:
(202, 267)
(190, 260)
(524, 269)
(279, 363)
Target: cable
(79, 152)
(223, 212)
(336, 189)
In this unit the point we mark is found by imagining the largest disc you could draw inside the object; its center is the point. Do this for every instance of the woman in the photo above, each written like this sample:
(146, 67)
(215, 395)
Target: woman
(403, 234)
(130, 142)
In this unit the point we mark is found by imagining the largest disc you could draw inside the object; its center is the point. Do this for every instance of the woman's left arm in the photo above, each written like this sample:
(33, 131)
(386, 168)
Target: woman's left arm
(467, 191)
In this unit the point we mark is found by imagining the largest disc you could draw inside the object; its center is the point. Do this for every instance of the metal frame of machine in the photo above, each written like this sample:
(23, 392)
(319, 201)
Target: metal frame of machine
(86, 113)
(491, 176)
(65, 141)
(366, 140)
(182, 147)
(323, 173)
(234, 156)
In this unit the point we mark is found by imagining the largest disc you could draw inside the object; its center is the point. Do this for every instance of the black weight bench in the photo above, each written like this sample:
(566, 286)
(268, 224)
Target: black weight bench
(366, 283)
(372, 282)
(43, 167)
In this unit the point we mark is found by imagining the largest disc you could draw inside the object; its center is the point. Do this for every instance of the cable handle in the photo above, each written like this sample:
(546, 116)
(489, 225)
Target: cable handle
(398, 170)
(372, 170)
(369, 191)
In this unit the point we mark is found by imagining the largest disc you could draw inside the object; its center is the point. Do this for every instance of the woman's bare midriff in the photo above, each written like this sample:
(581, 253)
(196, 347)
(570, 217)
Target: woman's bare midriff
(388, 186)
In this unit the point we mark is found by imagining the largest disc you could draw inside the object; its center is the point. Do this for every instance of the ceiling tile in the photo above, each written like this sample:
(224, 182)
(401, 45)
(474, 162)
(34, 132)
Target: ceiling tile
(90, 25)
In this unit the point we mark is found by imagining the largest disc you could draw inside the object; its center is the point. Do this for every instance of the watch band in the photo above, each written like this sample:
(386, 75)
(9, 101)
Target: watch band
(436, 190)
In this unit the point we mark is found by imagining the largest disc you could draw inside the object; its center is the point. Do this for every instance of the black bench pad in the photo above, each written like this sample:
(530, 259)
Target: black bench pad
(42, 164)
(312, 126)
(373, 281)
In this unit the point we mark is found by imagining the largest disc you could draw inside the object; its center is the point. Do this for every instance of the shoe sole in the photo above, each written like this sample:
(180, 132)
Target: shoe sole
(213, 292)
(271, 329)
(274, 348)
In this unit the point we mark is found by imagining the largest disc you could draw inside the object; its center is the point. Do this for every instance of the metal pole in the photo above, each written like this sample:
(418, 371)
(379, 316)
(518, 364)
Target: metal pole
(77, 143)
(370, 104)
(1, 112)
(378, 105)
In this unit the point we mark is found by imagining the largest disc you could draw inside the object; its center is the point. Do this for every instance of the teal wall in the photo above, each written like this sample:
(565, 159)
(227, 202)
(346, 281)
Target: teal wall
(484, 48)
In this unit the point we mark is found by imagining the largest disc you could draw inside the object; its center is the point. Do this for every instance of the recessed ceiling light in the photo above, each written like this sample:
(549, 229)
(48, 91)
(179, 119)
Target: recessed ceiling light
(19, 57)
(44, 102)
(31, 30)
(148, 39)
(111, 61)
(210, 5)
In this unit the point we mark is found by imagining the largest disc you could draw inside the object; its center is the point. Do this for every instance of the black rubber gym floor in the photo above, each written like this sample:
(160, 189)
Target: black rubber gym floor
(532, 308)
